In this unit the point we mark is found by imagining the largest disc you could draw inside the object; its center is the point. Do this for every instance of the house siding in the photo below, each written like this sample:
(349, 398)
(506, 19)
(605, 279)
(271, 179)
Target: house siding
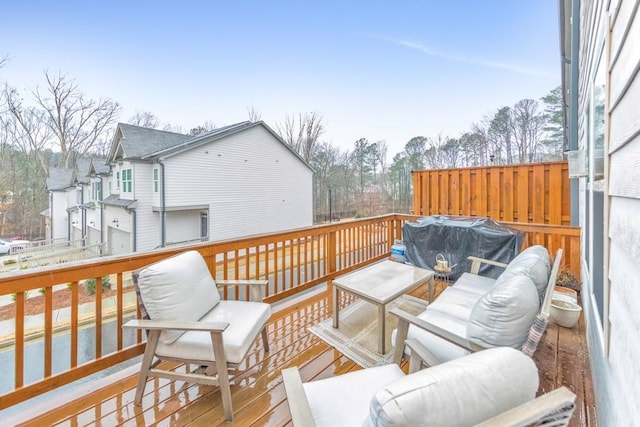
(251, 182)
(58, 212)
(148, 235)
(183, 226)
(613, 347)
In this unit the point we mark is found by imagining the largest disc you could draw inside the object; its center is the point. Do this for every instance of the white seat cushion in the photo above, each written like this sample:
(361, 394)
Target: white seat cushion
(344, 400)
(246, 320)
(455, 302)
(441, 348)
(505, 314)
(462, 392)
(473, 283)
(177, 288)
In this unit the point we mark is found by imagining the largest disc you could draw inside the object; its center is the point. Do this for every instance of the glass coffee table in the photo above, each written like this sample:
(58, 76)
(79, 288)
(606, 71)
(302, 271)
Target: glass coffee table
(380, 284)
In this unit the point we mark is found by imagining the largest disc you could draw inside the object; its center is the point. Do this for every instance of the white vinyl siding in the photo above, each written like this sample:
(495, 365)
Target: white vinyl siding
(148, 227)
(251, 182)
(613, 322)
(183, 226)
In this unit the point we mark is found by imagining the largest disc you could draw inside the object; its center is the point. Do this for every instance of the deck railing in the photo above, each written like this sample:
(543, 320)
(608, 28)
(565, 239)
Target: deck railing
(88, 336)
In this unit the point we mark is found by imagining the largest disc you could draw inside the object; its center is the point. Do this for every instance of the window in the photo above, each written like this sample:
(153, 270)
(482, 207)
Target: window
(126, 181)
(118, 179)
(594, 218)
(156, 184)
(96, 188)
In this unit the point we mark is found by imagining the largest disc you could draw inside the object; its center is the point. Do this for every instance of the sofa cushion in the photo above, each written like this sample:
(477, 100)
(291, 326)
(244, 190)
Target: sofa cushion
(532, 262)
(461, 392)
(246, 319)
(474, 283)
(344, 400)
(441, 348)
(177, 288)
(455, 302)
(503, 316)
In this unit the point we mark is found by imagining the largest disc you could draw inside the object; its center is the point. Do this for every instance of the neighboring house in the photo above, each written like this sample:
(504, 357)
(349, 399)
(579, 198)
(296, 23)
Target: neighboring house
(74, 213)
(600, 43)
(167, 188)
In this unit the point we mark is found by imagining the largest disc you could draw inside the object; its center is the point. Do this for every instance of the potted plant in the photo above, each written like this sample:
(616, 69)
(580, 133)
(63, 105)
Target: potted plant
(565, 310)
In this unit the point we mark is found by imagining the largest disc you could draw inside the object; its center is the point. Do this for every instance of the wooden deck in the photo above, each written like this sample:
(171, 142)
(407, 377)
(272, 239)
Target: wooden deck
(259, 398)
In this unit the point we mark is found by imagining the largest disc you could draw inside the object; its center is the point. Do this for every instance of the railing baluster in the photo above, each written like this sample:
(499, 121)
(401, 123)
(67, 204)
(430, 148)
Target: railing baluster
(19, 341)
(74, 324)
(119, 309)
(98, 295)
(48, 329)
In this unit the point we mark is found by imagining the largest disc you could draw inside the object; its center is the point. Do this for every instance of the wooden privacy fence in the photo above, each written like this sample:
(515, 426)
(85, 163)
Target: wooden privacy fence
(527, 193)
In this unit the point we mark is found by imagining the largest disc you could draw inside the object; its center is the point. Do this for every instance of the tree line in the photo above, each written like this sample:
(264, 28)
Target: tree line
(56, 122)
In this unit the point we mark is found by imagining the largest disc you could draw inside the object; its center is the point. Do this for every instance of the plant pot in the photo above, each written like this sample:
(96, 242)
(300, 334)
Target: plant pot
(565, 313)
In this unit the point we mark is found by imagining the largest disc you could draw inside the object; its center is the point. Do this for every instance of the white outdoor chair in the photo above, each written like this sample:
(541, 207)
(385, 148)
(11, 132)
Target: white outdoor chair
(494, 387)
(187, 321)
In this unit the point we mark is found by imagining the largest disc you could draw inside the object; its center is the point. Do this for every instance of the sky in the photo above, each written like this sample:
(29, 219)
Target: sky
(377, 70)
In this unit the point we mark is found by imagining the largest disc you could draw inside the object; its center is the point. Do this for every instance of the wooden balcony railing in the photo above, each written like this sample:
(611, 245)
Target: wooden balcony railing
(69, 339)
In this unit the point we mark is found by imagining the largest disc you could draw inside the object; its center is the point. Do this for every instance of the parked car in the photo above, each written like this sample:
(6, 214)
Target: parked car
(4, 247)
(12, 245)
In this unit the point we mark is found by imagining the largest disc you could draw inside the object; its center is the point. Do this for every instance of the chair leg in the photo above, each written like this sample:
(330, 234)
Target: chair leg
(147, 360)
(265, 342)
(401, 337)
(223, 374)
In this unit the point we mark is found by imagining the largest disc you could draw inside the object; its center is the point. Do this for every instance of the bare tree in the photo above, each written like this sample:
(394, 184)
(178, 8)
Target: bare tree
(204, 128)
(302, 132)
(145, 119)
(76, 122)
(528, 124)
(26, 128)
(254, 115)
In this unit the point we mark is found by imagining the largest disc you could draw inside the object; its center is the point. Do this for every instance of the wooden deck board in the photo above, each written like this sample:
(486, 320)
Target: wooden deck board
(259, 398)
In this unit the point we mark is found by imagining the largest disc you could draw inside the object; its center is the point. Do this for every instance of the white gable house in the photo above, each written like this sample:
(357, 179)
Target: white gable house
(169, 188)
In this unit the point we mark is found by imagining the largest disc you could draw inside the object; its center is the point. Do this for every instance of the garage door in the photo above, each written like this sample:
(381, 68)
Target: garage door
(119, 241)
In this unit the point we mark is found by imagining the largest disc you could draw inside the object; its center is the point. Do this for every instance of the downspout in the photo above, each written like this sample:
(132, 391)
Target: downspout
(573, 105)
(83, 217)
(134, 221)
(51, 216)
(163, 208)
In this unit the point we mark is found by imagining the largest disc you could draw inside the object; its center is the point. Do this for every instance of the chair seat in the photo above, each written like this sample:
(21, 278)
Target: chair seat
(246, 320)
(442, 349)
(473, 283)
(344, 400)
(456, 303)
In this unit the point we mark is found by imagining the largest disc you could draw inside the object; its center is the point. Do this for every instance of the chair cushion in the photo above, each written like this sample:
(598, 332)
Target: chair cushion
(441, 348)
(455, 302)
(532, 262)
(344, 400)
(177, 288)
(246, 319)
(473, 283)
(462, 392)
(504, 315)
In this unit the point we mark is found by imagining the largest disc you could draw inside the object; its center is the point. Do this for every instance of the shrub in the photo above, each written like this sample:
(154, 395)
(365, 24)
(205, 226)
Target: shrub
(90, 285)
(567, 279)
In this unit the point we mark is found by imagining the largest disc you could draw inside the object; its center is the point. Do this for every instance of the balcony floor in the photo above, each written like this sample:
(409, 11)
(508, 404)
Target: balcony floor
(259, 398)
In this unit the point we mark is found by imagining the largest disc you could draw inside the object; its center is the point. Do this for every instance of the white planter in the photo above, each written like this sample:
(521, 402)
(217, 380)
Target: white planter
(565, 313)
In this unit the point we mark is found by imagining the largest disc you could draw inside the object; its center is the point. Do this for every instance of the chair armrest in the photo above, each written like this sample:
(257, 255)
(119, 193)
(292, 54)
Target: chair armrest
(420, 356)
(176, 325)
(256, 286)
(558, 405)
(475, 263)
(297, 399)
(436, 330)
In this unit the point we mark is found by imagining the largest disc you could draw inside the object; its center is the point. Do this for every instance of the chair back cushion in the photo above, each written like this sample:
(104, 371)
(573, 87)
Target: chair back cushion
(504, 315)
(534, 263)
(461, 392)
(177, 288)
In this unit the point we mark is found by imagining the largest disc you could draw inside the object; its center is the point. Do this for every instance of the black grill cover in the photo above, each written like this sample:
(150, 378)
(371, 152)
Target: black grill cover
(456, 238)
